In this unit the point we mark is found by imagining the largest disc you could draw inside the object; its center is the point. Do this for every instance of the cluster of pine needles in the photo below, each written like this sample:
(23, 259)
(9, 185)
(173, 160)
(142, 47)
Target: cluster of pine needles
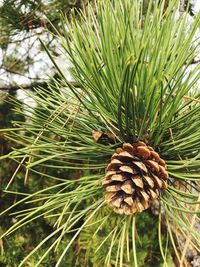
(131, 66)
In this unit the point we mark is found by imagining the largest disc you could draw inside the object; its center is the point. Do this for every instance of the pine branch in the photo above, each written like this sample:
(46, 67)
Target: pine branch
(22, 86)
(31, 86)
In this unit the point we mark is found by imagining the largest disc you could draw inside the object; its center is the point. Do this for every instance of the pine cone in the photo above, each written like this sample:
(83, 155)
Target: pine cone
(134, 178)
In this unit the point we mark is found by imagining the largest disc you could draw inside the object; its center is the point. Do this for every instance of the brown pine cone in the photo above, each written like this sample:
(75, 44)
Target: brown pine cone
(134, 178)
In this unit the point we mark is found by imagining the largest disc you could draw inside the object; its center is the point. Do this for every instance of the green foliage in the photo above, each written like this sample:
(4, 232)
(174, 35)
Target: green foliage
(135, 82)
(148, 251)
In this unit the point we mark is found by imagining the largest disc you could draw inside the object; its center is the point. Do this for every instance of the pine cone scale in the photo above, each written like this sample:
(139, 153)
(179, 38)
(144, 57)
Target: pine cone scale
(137, 181)
(129, 200)
(127, 187)
(118, 177)
(141, 166)
(148, 180)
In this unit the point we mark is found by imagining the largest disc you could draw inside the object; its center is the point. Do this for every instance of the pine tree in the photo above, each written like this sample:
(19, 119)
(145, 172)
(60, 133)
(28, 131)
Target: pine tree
(132, 126)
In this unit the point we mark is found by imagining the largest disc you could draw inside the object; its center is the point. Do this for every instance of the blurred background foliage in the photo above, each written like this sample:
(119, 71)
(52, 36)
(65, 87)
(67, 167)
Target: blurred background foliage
(24, 65)
(22, 59)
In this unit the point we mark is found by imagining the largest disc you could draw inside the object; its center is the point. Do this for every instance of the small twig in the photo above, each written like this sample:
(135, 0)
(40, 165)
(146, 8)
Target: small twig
(186, 97)
(189, 98)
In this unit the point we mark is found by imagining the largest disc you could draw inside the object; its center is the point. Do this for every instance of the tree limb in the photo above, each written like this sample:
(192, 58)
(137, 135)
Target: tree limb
(30, 86)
